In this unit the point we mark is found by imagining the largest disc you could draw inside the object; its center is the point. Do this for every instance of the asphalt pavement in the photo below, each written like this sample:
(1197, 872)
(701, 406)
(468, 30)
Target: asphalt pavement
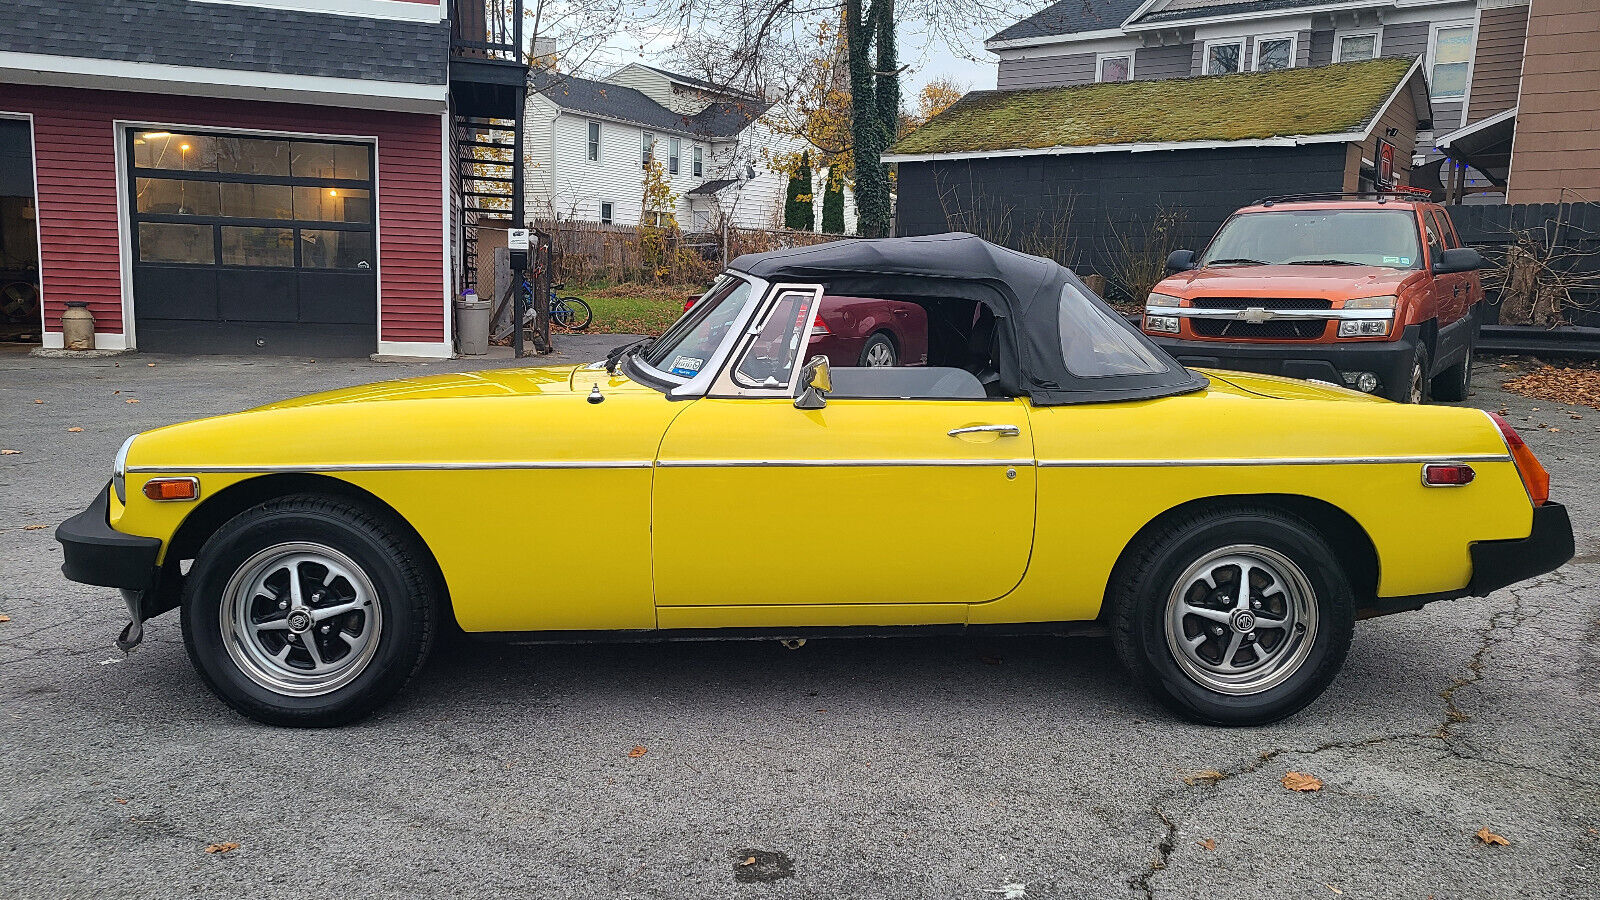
(894, 768)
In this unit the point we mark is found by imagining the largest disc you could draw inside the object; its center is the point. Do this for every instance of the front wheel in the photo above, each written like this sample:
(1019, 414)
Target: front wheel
(1233, 617)
(308, 611)
(576, 314)
(1416, 387)
(1455, 382)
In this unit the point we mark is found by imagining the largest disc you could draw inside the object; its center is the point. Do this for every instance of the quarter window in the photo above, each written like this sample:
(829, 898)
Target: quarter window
(594, 141)
(1224, 57)
(1452, 57)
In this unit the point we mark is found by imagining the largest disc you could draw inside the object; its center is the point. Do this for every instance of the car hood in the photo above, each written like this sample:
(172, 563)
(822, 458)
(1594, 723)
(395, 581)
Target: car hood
(472, 385)
(1332, 282)
(1249, 384)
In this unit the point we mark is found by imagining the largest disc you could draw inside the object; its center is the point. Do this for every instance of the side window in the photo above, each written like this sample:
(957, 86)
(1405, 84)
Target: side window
(1435, 242)
(1442, 223)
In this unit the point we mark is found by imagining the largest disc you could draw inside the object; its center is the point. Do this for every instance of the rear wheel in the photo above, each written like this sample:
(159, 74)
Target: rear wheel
(879, 352)
(578, 314)
(1233, 617)
(308, 611)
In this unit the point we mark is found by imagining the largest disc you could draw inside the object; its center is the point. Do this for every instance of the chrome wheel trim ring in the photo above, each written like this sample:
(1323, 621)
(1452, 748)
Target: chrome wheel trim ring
(1266, 636)
(320, 638)
(880, 354)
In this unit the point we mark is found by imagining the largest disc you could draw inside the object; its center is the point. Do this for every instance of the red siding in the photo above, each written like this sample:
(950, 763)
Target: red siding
(75, 155)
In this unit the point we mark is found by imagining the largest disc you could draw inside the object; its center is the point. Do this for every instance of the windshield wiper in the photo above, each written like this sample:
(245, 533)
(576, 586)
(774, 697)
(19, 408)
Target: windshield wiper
(614, 358)
(1239, 261)
(1323, 262)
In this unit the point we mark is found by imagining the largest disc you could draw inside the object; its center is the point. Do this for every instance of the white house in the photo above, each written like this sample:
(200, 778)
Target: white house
(586, 142)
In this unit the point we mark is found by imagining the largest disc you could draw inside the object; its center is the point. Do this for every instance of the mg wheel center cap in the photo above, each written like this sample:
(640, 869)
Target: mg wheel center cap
(299, 621)
(1243, 621)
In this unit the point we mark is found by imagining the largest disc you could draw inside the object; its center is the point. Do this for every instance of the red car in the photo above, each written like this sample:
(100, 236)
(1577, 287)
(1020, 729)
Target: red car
(865, 331)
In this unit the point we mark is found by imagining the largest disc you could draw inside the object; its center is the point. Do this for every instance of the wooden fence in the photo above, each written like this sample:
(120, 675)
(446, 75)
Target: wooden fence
(589, 252)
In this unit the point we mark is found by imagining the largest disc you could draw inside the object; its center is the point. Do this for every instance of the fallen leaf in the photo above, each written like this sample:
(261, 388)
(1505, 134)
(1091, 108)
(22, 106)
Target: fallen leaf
(1207, 776)
(33, 527)
(1299, 781)
(151, 365)
(1334, 889)
(9, 452)
(122, 800)
(991, 660)
(4, 617)
(748, 861)
(1208, 844)
(225, 847)
(74, 428)
(637, 752)
(38, 401)
(132, 400)
(1489, 837)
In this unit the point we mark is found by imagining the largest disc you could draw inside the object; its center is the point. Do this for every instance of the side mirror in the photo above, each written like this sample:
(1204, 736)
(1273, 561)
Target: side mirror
(1459, 259)
(1180, 261)
(815, 382)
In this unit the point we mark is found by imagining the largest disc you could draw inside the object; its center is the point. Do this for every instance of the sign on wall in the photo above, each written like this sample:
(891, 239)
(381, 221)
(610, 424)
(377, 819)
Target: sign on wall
(1385, 164)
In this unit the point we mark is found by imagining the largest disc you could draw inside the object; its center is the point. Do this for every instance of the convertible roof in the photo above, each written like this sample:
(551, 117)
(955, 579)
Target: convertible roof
(1025, 291)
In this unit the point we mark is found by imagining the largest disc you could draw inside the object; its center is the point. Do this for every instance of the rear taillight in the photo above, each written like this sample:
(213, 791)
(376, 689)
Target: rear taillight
(818, 329)
(1534, 477)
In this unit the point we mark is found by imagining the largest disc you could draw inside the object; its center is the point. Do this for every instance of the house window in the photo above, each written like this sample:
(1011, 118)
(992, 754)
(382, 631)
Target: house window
(1114, 67)
(699, 161)
(674, 151)
(605, 212)
(1452, 58)
(1356, 47)
(1224, 57)
(1274, 53)
(648, 149)
(594, 142)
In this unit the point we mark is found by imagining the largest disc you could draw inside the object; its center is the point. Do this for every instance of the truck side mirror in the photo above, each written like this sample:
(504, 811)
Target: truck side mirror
(1458, 259)
(1180, 261)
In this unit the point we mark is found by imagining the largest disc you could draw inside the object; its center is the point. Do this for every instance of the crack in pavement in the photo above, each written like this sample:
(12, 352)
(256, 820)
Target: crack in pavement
(1501, 627)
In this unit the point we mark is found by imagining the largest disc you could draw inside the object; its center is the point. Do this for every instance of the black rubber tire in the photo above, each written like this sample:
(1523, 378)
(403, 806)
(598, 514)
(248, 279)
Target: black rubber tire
(1455, 383)
(874, 340)
(579, 315)
(386, 553)
(1401, 393)
(1144, 579)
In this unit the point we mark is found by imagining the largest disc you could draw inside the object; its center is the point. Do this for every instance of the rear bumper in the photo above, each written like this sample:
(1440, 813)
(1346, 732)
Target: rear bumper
(1389, 360)
(1497, 564)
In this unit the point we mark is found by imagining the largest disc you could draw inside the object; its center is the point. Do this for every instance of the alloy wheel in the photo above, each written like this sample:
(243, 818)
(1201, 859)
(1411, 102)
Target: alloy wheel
(1241, 619)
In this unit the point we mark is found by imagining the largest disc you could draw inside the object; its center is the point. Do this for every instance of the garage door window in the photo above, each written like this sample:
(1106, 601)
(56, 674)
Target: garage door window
(251, 202)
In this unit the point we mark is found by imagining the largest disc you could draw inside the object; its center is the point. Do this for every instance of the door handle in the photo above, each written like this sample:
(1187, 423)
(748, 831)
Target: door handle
(1003, 430)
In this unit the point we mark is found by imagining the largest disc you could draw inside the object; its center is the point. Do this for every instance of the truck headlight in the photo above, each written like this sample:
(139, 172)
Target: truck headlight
(1375, 327)
(1154, 320)
(119, 471)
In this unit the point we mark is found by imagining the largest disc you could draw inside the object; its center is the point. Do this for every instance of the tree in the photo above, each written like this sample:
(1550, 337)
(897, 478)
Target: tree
(935, 97)
(797, 208)
(833, 202)
(658, 222)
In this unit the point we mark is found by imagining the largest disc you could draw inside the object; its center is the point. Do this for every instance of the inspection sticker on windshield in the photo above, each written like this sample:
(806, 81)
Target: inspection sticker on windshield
(687, 366)
(1397, 260)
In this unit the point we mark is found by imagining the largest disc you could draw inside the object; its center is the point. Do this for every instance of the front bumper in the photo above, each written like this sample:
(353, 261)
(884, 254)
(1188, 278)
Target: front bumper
(1496, 564)
(1389, 360)
(92, 552)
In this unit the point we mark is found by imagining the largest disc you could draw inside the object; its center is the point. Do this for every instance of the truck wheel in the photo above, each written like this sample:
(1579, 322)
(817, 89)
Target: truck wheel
(1455, 382)
(1415, 389)
(308, 611)
(1233, 617)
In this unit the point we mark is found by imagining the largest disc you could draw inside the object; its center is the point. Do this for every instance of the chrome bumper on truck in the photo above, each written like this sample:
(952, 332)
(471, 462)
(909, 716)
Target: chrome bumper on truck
(92, 552)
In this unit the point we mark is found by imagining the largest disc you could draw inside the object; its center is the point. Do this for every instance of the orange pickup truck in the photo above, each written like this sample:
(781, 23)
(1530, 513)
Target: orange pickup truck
(1374, 292)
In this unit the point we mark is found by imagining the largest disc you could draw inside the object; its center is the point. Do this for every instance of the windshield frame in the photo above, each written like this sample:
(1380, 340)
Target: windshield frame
(1418, 260)
(678, 387)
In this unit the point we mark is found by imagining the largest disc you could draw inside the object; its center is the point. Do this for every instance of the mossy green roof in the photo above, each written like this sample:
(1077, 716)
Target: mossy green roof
(1249, 106)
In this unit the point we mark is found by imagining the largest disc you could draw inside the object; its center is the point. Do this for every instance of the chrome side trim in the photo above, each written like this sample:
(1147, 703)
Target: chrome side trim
(835, 463)
(402, 467)
(1266, 461)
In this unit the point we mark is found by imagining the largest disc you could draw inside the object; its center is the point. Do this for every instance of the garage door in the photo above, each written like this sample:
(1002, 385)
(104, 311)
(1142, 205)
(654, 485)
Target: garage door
(252, 244)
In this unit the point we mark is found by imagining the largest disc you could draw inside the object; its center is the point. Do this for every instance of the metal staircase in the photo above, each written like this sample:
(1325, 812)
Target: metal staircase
(485, 181)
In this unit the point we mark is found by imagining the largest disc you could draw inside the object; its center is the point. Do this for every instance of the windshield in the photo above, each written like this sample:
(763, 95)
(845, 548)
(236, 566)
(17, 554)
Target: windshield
(1360, 237)
(688, 344)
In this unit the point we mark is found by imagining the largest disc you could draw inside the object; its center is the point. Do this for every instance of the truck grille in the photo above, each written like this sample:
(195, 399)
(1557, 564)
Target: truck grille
(1264, 303)
(1280, 330)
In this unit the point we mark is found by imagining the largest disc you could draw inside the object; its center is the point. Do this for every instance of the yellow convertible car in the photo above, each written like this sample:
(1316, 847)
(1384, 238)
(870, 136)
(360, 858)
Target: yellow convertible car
(1048, 470)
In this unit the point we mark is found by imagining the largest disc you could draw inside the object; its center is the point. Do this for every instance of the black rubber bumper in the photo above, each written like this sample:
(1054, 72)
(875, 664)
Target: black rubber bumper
(1496, 564)
(95, 553)
(1389, 360)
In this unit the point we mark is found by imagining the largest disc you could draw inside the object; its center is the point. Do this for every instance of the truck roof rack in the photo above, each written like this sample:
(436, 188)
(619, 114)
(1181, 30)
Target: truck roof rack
(1383, 196)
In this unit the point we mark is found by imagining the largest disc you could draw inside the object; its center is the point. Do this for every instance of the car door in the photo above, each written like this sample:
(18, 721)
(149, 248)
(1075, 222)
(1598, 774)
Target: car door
(1453, 290)
(861, 512)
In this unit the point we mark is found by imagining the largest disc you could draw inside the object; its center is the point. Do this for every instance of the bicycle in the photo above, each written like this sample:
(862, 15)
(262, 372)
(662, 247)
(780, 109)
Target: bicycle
(568, 312)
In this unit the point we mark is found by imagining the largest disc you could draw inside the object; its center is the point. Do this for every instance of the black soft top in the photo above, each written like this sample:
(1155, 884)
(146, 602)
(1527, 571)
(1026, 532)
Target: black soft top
(1034, 299)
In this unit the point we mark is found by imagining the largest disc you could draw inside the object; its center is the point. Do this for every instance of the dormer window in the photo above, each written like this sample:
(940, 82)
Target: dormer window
(1114, 67)
(1224, 57)
(1274, 52)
